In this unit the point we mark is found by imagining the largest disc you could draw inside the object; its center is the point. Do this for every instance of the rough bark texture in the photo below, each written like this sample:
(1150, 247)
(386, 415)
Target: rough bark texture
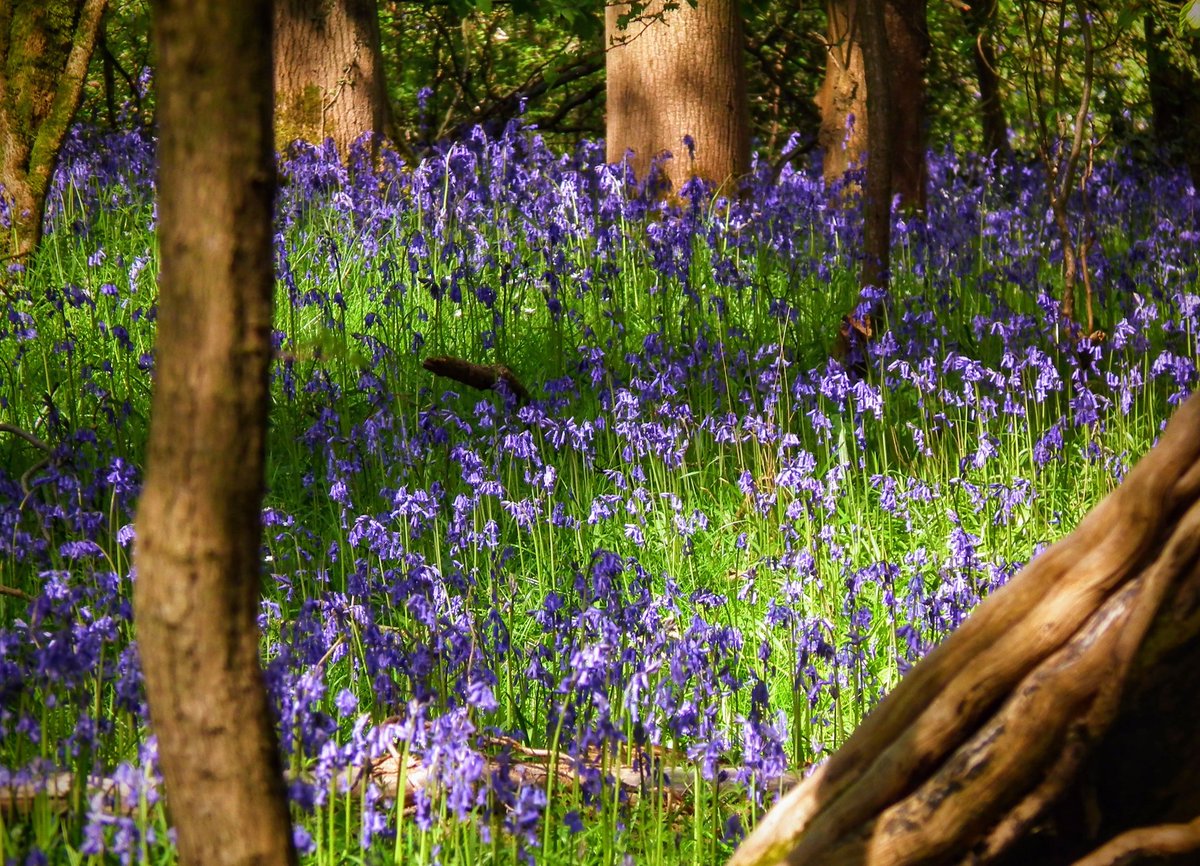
(1171, 62)
(1056, 725)
(45, 46)
(682, 74)
(980, 17)
(1061, 164)
(877, 196)
(328, 72)
(199, 527)
(842, 99)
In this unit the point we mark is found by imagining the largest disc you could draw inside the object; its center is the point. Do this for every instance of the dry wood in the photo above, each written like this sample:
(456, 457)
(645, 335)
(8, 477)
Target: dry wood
(482, 377)
(671, 774)
(1146, 842)
(992, 730)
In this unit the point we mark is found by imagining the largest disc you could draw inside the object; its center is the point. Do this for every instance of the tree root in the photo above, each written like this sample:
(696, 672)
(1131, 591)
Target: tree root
(1144, 842)
(993, 732)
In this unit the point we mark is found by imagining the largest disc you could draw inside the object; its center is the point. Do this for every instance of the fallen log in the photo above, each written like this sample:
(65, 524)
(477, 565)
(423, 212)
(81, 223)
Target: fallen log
(482, 377)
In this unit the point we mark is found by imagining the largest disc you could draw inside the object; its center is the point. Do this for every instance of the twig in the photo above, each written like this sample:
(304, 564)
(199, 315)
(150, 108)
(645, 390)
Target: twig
(13, 592)
(28, 437)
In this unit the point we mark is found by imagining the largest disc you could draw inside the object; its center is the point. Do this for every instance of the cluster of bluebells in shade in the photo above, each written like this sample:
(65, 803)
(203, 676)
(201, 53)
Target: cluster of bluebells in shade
(702, 534)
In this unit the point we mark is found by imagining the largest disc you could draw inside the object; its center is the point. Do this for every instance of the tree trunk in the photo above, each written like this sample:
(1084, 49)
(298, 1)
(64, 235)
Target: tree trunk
(980, 18)
(842, 99)
(1173, 88)
(199, 530)
(675, 74)
(1056, 726)
(877, 197)
(328, 72)
(45, 47)
(859, 326)
(908, 46)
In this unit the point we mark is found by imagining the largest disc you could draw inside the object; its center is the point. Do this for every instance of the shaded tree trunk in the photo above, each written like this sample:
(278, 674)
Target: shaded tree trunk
(1171, 63)
(1056, 726)
(877, 196)
(199, 531)
(45, 47)
(980, 18)
(676, 74)
(328, 72)
(907, 45)
(842, 99)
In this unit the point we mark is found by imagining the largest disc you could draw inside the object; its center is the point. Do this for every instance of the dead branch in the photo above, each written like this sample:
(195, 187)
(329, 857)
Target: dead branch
(482, 377)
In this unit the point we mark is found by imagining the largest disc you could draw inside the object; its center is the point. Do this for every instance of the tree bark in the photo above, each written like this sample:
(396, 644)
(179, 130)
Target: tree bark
(980, 18)
(842, 99)
(877, 197)
(329, 79)
(674, 74)
(45, 47)
(1056, 725)
(1173, 87)
(199, 526)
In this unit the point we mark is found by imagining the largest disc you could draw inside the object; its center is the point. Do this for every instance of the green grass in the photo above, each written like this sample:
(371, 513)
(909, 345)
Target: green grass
(819, 586)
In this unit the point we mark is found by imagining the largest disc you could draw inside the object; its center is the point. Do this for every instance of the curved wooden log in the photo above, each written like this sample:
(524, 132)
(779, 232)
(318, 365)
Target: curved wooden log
(991, 744)
(482, 377)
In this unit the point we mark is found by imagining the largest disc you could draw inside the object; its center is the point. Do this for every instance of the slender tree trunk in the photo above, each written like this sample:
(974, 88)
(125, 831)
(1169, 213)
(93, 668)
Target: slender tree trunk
(877, 197)
(842, 99)
(980, 19)
(1057, 725)
(1173, 94)
(198, 554)
(329, 79)
(45, 47)
(675, 74)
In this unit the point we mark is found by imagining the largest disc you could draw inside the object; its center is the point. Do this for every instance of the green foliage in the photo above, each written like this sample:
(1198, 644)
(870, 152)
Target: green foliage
(1189, 15)
(481, 66)
(117, 91)
(483, 60)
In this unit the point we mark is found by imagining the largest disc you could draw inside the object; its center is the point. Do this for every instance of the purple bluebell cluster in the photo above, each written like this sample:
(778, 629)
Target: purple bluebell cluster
(705, 548)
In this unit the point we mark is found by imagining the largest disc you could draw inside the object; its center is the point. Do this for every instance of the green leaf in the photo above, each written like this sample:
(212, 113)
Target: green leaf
(1189, 15)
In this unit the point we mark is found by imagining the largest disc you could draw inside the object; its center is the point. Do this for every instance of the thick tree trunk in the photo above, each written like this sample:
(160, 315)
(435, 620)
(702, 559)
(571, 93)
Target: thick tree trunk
(842, 99)
(980, 19)
(1173, 89)
(328, 72)
(199, 530)
(908, 46)
(1057, 725)
(45, 46)
(679, 74)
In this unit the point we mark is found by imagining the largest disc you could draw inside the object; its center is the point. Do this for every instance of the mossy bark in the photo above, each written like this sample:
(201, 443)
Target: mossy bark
(45, 47)
(328, 72)
(199, 525)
